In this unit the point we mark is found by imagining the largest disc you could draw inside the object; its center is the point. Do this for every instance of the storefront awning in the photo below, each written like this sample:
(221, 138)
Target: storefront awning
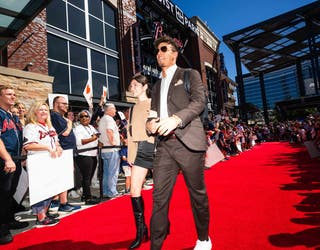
(15, 15)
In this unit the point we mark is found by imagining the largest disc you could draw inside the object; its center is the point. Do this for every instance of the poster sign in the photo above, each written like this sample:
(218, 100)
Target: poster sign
(49, 176)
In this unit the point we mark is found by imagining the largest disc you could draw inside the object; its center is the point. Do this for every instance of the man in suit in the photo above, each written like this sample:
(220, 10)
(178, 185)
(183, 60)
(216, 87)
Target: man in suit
(181, 144)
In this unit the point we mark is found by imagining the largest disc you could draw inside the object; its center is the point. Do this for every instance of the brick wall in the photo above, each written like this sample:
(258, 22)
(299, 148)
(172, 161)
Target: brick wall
(30, 47)
(29, 87)
(129, 13)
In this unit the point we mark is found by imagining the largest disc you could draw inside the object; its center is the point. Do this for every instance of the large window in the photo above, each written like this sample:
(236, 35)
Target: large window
(113, 67)
(57, 48)
(109, 15)
(114, 88)
(78, 55)
(56, 14)
(99, 80)
(79, 78)
(76, 21)
(75, 33)
(78, 3)
(61, 77)
(98, 61)
(96, 31)
(111, 38)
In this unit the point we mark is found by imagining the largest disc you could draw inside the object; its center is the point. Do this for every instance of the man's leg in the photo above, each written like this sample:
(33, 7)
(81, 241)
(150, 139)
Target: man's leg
(5, 207)
(106, 163)
(192, 165)
(165, 172)
(113, 173)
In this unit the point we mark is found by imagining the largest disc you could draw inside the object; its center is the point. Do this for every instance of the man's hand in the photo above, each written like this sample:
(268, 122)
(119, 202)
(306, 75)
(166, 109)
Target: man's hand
(9, 166)
(151, 125)
(165, 126)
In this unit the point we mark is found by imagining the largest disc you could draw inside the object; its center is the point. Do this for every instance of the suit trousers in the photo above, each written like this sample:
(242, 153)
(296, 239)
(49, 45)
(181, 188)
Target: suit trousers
(171, 157)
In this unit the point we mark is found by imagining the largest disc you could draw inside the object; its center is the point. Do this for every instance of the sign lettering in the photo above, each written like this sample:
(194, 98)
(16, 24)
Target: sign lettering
(179, 15)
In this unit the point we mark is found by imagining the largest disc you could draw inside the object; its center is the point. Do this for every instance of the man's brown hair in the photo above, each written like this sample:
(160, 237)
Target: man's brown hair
(3, 87)
(166, 39)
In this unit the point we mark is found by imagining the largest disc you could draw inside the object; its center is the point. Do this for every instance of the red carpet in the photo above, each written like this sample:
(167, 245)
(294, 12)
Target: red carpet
(265, 198)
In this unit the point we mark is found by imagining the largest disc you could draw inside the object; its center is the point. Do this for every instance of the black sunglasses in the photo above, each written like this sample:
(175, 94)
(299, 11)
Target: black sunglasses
(163, 49)
(82, 116)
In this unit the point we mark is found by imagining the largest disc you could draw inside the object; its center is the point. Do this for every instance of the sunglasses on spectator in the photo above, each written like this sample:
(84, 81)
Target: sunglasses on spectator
(162, 49)
(82, 116)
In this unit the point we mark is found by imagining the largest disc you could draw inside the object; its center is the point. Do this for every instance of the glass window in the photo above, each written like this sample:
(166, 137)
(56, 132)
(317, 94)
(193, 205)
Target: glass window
(98, 80)
(56, 14)
(98, 61)
(95, 8)
(111, 37)
(78, 55)
(61, 77)
(78, 3)
(57, 48)
(109, 14)
(79, 78)
(114, 88)
(96, 31)
(76, 21)
(113, 67)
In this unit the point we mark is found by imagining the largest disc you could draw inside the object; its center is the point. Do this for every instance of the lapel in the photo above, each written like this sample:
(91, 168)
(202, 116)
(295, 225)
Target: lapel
(174, 80)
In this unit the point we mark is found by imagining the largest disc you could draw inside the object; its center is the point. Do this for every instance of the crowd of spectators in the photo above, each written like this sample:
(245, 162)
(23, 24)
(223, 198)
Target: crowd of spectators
(233, 137)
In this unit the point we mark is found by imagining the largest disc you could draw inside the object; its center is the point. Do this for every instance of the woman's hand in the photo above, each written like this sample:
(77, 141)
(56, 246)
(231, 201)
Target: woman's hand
(52, 152)
(59, 150)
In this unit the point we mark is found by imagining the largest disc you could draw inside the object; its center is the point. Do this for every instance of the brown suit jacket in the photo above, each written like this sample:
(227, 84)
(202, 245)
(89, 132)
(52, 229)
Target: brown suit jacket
(186, 106)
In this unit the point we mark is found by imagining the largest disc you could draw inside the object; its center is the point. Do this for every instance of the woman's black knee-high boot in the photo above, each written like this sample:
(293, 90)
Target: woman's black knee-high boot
(142, 230)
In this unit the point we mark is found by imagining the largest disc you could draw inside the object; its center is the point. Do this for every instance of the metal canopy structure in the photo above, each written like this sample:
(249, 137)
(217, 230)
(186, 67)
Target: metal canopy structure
(15, 16)
(277, 43)
(280, 41)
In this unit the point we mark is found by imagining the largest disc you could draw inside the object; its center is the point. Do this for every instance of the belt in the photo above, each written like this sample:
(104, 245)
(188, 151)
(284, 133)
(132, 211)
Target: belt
(170, 136)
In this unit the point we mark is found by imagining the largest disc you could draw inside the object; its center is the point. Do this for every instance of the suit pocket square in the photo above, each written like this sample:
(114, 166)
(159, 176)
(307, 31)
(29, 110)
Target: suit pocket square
(179, 82)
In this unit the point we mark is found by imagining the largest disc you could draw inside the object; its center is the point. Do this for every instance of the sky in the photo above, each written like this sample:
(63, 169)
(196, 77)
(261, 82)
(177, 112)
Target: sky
(226, 16)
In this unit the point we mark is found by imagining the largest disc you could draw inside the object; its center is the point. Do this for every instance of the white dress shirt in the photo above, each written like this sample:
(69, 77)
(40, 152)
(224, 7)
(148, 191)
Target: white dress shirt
(164, 88)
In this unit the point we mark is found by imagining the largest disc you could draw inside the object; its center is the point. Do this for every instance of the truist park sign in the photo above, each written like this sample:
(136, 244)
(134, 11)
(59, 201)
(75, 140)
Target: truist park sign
(179, 15)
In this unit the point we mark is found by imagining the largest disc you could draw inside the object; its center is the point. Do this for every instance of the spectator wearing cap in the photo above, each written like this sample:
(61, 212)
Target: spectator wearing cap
(110, 136)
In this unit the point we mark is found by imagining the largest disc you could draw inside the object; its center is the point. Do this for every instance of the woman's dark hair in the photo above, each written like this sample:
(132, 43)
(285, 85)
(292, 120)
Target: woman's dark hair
(140, 78)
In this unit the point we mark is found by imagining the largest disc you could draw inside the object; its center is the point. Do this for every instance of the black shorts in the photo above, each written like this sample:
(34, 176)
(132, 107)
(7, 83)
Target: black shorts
(145, 154)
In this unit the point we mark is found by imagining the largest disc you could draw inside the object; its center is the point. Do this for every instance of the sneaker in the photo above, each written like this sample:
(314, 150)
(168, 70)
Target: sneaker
(46, 222)
(91, 201)
(14, 224)
(73, 194)
(68, 208)
(6, 238)
(203, 244)
(149, 181)
(5, 235)
(147, 187)
(95, 185)
(54, 205)
(52, 216)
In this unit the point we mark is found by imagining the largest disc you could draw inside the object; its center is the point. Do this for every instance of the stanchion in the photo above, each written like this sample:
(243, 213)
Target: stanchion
(100, 173)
